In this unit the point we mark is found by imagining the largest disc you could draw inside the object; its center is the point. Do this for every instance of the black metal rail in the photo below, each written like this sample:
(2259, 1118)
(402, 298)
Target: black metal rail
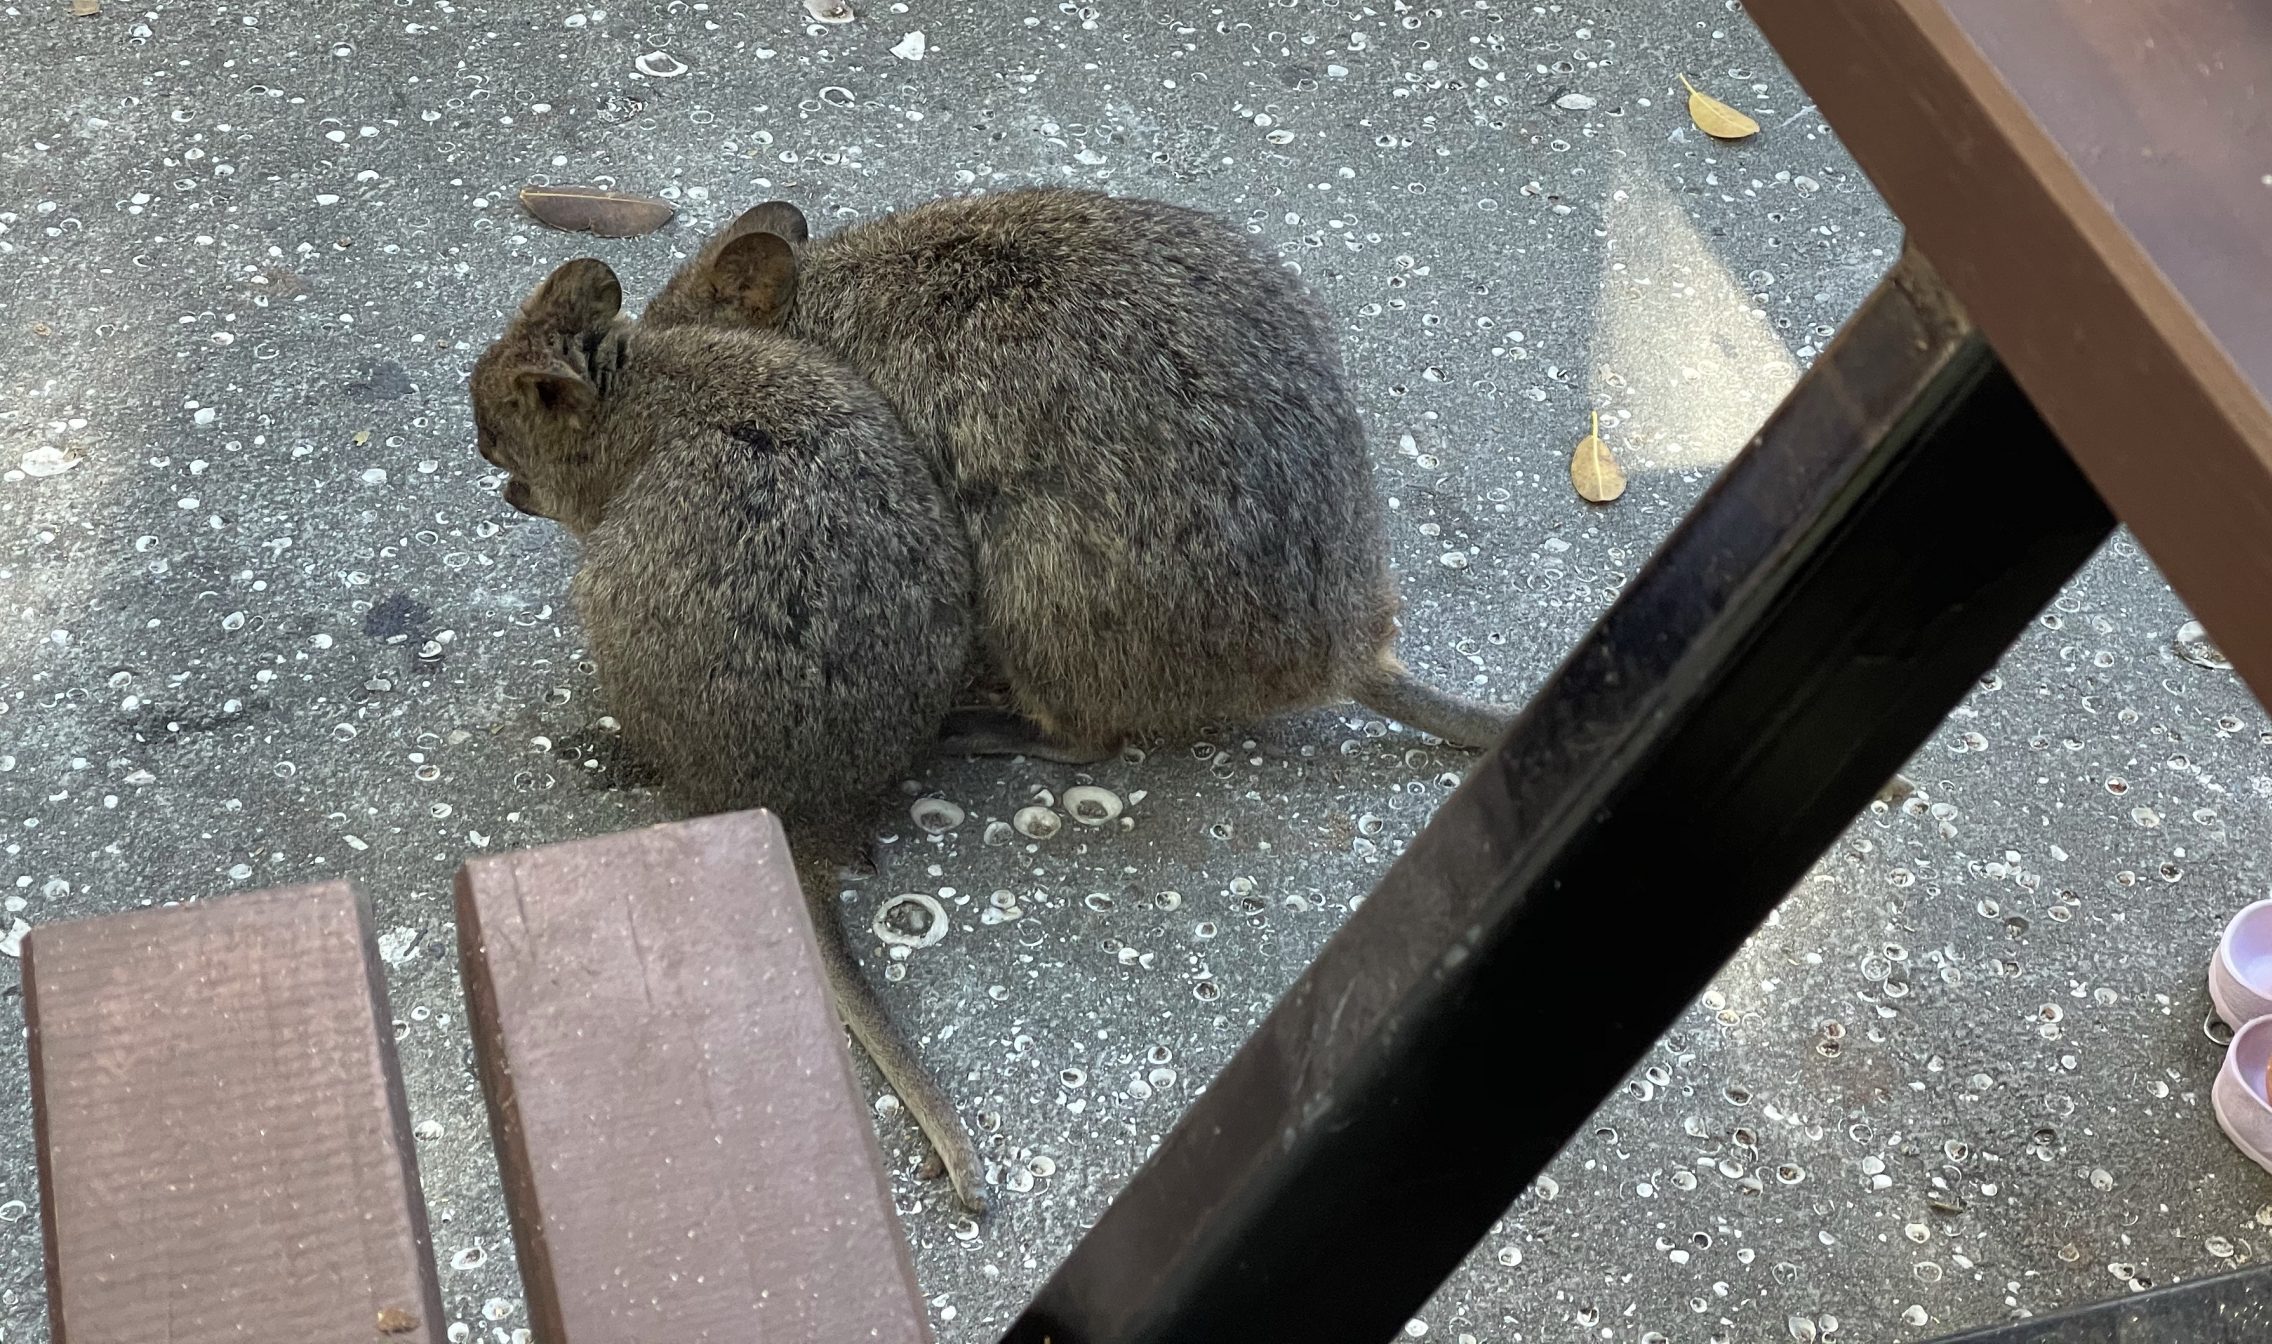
(2228, 1309)
(1795, 640)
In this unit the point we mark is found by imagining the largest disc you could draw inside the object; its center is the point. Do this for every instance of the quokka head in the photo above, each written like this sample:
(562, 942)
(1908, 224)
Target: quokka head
(537, 394)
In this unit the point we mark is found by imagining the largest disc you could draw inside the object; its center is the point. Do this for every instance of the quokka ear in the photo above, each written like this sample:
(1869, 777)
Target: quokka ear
(582, 295)
(778, 218)
(757, 274)
(555, 392)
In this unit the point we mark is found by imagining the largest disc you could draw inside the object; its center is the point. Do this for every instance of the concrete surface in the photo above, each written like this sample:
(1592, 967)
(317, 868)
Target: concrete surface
(276, 625)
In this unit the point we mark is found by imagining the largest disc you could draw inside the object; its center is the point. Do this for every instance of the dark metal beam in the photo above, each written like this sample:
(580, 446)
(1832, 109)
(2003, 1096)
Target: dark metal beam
(1891, 530)
(2231, 1308)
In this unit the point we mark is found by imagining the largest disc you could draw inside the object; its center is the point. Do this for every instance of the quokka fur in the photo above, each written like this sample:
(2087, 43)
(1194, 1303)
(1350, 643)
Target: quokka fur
(1148, 436)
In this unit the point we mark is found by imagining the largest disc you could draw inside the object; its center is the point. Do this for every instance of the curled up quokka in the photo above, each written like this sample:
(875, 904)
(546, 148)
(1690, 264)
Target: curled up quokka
(771, 583)
(1151, 443)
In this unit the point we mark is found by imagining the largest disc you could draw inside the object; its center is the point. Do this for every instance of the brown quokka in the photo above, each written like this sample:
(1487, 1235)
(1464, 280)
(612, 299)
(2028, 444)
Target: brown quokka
(772, 584)
(1150, 439)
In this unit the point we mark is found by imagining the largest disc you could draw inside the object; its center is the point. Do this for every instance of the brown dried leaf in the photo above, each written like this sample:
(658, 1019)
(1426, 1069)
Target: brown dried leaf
(1715, 118)
(1593, 471)
(86, 9)
(610, 214)
(396, 1321)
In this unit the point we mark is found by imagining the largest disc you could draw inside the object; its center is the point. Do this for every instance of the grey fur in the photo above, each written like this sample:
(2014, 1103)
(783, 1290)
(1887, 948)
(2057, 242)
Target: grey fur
(772, 583)
(1147, 431)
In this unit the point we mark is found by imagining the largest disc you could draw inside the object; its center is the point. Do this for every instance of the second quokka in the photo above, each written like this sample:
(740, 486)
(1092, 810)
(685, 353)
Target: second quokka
(1151, 442)
(773, 587)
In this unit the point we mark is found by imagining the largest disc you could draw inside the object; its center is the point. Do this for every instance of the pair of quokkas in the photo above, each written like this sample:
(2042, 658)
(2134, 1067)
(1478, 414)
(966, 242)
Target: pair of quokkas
(1096, 452)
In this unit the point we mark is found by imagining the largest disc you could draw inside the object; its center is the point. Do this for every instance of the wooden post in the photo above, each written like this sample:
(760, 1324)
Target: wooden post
(685, 1152)
(224, 1146)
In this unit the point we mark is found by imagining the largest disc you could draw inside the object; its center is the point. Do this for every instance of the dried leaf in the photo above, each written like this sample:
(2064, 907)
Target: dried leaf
(610, 214)
(1715, 118)
(362, 436)
(86, 9)
(1593, 471)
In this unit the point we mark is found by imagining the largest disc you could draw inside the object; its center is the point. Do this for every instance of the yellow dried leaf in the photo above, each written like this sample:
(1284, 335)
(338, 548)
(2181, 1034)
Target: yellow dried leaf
(1593, 471)
(362, 436)
(86, 9)
(1715, 118)
(610, 214)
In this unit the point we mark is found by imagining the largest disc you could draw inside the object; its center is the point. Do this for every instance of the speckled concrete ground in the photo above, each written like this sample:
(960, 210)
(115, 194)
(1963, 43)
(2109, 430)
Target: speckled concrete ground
(276, 625)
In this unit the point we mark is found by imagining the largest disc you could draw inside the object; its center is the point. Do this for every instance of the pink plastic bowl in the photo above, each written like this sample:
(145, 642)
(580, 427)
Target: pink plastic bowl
(2240, 974)
(2243, 1111)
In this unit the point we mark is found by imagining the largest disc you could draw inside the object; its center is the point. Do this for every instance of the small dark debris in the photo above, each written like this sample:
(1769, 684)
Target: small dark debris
(395, 616)
(387, 381)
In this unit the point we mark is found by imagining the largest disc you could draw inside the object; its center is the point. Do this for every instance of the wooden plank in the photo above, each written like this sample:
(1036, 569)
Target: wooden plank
(2164, 108)
(686, 1154)
(224, 1145)
(2093, 179)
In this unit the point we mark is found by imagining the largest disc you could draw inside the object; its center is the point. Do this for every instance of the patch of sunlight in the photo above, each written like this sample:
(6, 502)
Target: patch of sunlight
(1684, 359)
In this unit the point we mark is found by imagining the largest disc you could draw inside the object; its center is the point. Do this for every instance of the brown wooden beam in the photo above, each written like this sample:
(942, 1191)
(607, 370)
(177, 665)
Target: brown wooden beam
(687, 1156)
(224, 1146)
(2090, 179)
